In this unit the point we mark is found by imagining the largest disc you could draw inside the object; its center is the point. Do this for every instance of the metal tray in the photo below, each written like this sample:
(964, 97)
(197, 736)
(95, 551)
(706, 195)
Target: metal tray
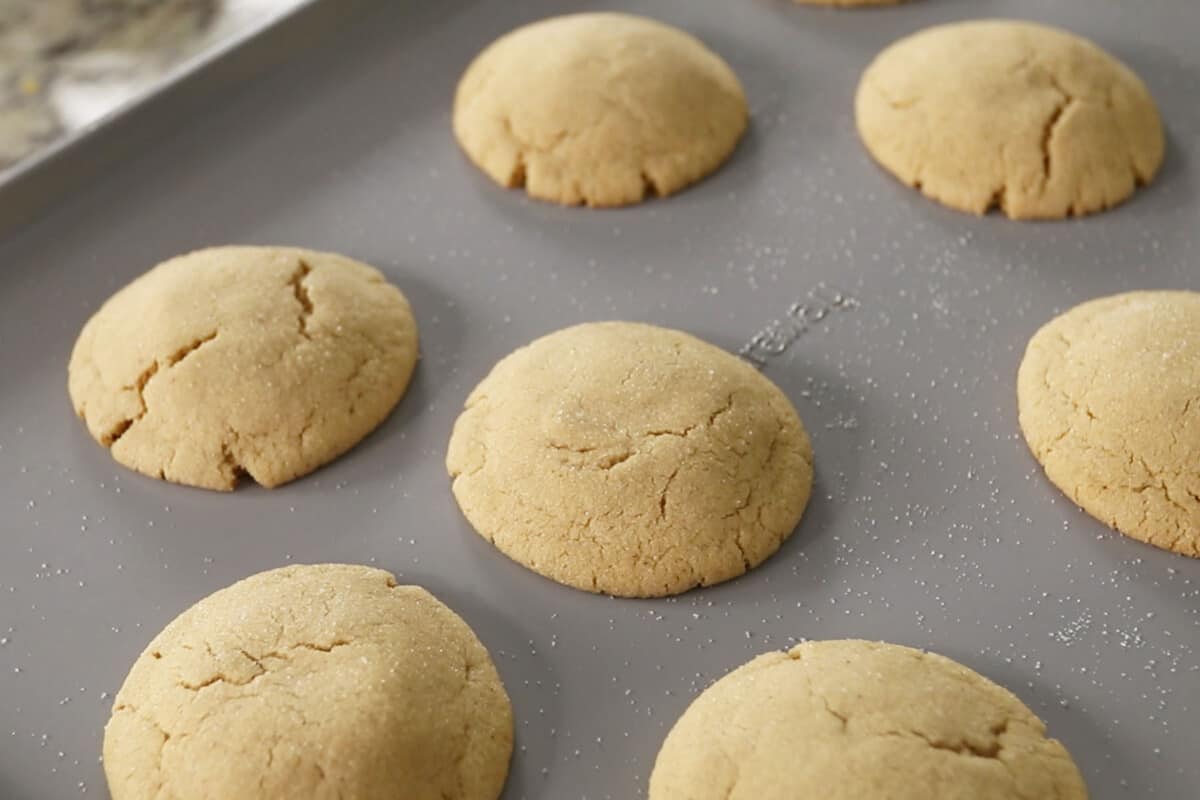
(930, 524)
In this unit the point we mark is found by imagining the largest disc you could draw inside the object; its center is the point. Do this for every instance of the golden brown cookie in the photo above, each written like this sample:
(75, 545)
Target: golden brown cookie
(853, 720)
(1109, 398)
(600, 109)
(629, 459)
(323, 681)
(999, 113)
(268, 361)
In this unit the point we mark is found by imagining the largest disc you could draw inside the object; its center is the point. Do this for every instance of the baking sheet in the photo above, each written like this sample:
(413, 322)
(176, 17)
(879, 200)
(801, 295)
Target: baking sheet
(930, 524)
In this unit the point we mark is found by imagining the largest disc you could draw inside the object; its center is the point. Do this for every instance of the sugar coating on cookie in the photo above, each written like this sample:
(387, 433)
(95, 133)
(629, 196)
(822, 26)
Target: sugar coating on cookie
(1109, 399)
(629, 459)
(266, 361)
(997, 113)
(312, 681)
(599, 109)
(854, 720)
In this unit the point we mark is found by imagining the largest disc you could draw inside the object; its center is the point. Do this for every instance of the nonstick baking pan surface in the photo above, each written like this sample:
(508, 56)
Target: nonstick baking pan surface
(895, 326)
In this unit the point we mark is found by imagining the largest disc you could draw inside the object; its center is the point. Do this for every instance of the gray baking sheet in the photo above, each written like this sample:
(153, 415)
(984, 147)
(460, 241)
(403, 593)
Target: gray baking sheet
(930, 524)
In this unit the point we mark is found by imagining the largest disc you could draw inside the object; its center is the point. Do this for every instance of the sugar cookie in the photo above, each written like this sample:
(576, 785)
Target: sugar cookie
(1035, 120)
(1109, 398)
(852, 720)
(598, 108)
(319, 681)
(632, 460)
(265, 360)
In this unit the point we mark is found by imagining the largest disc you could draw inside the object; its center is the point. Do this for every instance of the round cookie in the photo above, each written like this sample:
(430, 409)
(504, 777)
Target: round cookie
(268, 361)
(598, 108)
(1032, 119)
(632, 460)
(853, 720)
(1109, 399)
(319, 681)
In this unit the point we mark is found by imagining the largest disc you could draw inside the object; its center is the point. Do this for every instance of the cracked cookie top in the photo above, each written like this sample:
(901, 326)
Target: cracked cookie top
(265, 361)
(1109, 398)
(321, 681)
(600, 108)
(632, 460)
(854, 720)
(1031, 119)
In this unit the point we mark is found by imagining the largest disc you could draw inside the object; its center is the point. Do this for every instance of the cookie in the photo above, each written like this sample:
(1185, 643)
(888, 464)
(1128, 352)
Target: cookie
(264, 361)
(1109, 400)
(996, 113)
(601, 109)
(631, 460)
(853, 720)
(320, 681)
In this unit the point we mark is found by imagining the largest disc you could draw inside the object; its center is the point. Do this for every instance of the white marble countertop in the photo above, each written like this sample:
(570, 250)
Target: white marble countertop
(65, 64)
